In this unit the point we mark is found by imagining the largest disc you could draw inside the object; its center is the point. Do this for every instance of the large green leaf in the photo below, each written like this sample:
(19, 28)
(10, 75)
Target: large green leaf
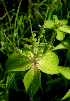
(65, 71)
(28, 78)
(63, 45)
(49, 63)
(66, 95)
(17, 62)
(35, 84)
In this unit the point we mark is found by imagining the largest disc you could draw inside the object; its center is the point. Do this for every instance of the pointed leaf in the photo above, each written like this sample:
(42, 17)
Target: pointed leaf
(35, 84)
(17, 62)
(65, 71)
(49, 63)
(66, 95)
(28, 78)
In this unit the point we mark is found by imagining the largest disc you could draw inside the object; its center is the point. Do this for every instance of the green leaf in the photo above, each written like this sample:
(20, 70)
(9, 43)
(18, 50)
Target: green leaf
(28, 78)
(66, 95)
(65, 29)
(49, 63)
(60, 35)
(65, 71)
(34, 86)
(48, 24)
(63, 45)
(17, 62)
(68, 55)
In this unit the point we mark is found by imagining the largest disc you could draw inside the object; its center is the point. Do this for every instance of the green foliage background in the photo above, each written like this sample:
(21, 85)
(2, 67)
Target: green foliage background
(35, 35)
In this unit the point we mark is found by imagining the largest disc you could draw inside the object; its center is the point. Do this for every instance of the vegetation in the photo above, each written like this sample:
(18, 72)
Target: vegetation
(35, 50)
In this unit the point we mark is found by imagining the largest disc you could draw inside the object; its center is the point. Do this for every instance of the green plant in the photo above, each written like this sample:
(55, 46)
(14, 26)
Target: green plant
(39, 56)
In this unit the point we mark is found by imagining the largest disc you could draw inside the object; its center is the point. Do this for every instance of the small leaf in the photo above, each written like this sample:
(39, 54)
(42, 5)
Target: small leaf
(63, 45)
(65, 71)
(28, 78)
(66, 95)
(56, 19)
(17, 62)
(65, 29)
(60, 35)
(49, 63)
(34, 86)
(49, 24)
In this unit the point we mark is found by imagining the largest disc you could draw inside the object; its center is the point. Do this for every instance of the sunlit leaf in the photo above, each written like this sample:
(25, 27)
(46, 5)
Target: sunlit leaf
(28, 78)
(17, 62)
(49, 63)
(34, 86)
